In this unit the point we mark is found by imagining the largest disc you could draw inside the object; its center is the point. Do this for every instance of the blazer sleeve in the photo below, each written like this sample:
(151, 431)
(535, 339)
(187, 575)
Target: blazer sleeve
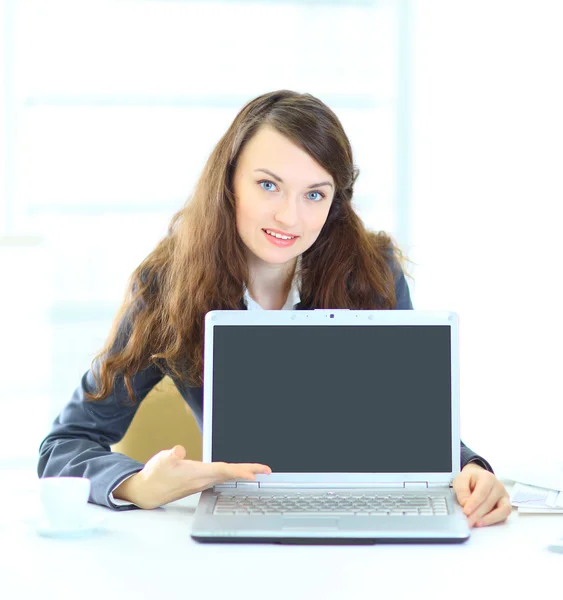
(402, 292)
(79, 441)
(468, 456)
(404, 302)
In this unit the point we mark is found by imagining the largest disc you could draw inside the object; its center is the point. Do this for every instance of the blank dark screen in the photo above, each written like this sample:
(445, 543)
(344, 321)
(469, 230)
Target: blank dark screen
(345, 399)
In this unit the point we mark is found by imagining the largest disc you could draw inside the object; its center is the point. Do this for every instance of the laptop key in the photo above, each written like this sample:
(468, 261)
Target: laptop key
(335, 504)
(317, 514)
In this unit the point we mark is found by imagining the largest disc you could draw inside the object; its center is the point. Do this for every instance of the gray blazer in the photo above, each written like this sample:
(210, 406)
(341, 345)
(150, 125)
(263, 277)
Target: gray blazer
(79, 441)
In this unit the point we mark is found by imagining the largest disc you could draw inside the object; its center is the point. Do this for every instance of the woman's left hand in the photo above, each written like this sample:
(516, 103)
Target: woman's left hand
(484, 498)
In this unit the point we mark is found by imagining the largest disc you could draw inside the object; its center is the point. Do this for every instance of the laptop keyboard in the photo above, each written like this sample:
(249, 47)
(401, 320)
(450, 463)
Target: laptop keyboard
(332, 503)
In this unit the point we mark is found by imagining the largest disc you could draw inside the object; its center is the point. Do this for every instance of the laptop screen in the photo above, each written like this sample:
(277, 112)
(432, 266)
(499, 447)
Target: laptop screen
(333, 399)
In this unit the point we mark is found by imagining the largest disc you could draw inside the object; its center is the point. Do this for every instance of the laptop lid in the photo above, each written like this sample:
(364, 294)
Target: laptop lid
(334, 396)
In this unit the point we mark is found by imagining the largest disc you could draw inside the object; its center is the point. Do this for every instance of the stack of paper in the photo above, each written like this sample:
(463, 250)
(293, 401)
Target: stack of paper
(538, 487)
(532, 499)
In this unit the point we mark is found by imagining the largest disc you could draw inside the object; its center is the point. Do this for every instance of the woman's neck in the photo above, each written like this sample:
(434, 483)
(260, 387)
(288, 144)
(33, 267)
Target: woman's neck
(269, 284)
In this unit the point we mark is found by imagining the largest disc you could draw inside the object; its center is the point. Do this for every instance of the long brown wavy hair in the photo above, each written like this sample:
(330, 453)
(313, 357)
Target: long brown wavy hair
(200, 264)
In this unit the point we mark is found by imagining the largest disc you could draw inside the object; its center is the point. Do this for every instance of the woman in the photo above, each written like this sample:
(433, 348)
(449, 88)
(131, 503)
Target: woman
(270, 225)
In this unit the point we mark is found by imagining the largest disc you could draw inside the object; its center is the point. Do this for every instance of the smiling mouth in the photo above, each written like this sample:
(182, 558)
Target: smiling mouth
(279, 236)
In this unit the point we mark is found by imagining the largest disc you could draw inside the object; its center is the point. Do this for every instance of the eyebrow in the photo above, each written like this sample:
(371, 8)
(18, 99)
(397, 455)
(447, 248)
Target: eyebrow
(280, 180)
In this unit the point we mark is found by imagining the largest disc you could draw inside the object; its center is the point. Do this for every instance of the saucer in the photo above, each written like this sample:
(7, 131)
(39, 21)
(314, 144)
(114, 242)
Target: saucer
(90, 525)
(556, 546)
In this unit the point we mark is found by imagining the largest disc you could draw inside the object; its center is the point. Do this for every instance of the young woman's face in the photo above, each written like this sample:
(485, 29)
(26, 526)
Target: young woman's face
(279, 189)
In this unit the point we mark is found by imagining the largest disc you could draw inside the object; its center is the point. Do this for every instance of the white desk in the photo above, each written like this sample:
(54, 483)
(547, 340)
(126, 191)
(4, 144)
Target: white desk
(149, 554)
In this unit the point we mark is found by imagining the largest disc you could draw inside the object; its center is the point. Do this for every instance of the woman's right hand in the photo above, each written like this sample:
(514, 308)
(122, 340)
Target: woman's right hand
(167, 476)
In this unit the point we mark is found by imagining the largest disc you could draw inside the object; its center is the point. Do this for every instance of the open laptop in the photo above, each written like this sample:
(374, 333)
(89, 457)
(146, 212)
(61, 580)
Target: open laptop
(356, 413)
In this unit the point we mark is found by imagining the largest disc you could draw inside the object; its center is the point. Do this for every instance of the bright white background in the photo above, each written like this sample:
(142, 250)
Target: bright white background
(109, 110)
(487, 191)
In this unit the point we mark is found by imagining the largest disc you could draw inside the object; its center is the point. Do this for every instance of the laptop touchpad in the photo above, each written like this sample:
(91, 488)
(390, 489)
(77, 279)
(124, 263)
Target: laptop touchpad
(309, 523)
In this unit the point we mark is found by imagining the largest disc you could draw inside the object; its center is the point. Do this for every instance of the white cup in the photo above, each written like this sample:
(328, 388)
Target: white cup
(64, 501)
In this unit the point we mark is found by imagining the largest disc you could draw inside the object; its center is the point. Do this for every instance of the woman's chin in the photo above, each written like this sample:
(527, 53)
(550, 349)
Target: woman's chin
(275, 256)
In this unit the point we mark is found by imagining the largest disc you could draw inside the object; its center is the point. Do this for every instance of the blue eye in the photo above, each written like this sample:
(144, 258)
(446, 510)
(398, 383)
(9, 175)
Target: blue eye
(263, 182)
(321, 196)
(268, 182)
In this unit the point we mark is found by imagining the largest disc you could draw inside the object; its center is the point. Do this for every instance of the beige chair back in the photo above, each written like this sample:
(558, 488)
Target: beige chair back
(162, 421)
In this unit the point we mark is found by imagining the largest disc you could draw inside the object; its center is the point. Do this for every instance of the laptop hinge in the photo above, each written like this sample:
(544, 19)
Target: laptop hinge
(252, 485)
(329, 485)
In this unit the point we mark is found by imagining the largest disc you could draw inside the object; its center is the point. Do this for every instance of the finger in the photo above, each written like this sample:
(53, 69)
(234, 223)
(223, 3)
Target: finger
(481, 491)
(226, 471)
(248, 475)
(486, 506)
(257, 468)
(461, 488)
(178, 452)
(501, 513)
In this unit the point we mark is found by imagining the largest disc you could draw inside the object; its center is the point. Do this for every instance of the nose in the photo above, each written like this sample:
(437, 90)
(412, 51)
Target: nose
(287, 212)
